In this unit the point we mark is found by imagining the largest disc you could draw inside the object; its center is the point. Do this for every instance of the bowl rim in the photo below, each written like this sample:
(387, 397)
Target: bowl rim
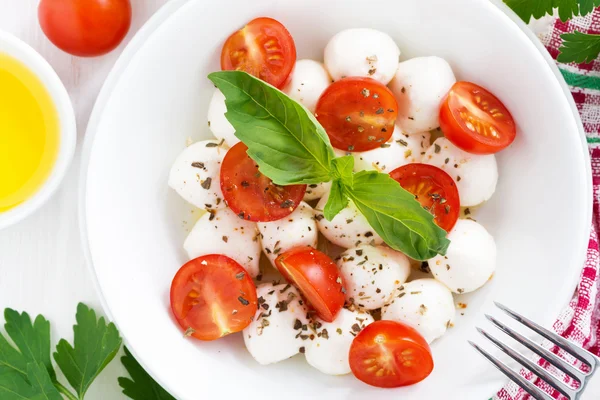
(38, 65)
(146, 32)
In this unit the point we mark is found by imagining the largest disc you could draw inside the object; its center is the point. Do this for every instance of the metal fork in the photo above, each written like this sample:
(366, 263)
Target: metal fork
(581, 377)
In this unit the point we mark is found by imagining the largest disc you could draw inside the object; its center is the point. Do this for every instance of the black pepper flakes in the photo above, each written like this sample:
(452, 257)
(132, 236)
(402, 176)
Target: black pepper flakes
(225, 239)
(243, 301)
(302, 350)
(240, 276)
(206, 183)
(380, 110)
(297, 324)
(436, 148)
(287, 204)
(211, 144)
(356, 328)
(198, 164)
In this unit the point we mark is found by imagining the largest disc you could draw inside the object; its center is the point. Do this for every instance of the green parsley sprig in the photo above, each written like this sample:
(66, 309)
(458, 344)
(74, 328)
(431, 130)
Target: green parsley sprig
(291, 147)
(577, 47)
(27, 372)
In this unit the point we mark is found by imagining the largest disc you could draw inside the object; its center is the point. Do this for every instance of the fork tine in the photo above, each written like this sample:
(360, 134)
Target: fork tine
(571, 348)
(529, 387)
(533, 367)
(540, 351)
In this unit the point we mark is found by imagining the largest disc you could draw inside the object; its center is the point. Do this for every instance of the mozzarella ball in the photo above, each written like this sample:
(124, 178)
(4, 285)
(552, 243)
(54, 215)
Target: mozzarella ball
(470, 260)
(297, 229)
(308, 81)
(475, 175)
(362, 52)
(419, 86)
(347, 229)
(401, 149)
(316, 191)
(218, 123)
(328, 351)
(424, 304)
(274, 333)
(225, 233)
(195, 175)
(372, 274)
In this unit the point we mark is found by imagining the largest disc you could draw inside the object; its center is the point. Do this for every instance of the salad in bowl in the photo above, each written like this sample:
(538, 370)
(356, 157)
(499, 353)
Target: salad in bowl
(336, 203)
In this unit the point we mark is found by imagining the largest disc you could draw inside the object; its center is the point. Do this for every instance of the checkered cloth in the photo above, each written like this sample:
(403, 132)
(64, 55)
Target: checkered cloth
(580, 321)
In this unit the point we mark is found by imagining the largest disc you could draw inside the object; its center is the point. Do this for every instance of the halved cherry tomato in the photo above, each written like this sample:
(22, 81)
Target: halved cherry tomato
(263, 48)
(358, 114)
(434, 189)
(252, 195)
(390, 354)
(213, 296)
(475, 120)
(317, 277)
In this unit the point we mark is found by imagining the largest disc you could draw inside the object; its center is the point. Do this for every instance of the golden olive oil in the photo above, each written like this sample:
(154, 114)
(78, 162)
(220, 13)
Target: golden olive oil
(29, 133)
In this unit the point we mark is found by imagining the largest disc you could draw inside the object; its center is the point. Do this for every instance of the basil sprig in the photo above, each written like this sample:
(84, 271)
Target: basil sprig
(291, 147)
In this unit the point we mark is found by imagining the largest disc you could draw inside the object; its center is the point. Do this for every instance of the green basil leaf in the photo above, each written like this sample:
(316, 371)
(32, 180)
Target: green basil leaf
(396, 216)
(286, 141)
(343, 169)
(337, 200)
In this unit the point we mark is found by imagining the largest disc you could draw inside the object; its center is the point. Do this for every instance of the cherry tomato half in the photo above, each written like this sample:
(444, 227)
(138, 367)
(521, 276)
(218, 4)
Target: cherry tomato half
(252, 195)
(317, 277)
(475, 120)
(85, 28)
(434, 189)
(213, 296)
(358, 114)
(390, 354)
(263, 48)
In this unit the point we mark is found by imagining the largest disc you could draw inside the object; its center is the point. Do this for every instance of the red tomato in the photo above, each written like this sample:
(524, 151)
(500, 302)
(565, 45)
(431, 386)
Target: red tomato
(358, 114)
(390, 354)
(250, 194)
(213, 296)
(475, 120)
(317, 277)
(263, 48)
(85, 28)
(434, 189)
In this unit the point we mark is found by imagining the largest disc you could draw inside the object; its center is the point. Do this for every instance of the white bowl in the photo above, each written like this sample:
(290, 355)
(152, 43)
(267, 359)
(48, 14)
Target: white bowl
(20, 50)
(133, 225)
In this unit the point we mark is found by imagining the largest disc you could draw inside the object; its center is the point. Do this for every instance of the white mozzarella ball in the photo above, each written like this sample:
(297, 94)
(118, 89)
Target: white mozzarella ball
(347, 229)
(308, 81)
(470, 260)
(218, 123)
(362, 52)
(274, 334)
(371, 274)
(475, 175)
(223, 232)
(328, 351)
(297, 229)
(316, 191)
(401, 149)
(424, 304)
(419, 86)
(195, 174)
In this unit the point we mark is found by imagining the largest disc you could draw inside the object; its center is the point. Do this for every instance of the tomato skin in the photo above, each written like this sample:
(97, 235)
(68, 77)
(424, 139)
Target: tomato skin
(252, 195)
(85, 28)
(475, 120)
(214, 296)
(263, 48)
(317, 277)
(434, 189)
(397, 349)
(358, 113)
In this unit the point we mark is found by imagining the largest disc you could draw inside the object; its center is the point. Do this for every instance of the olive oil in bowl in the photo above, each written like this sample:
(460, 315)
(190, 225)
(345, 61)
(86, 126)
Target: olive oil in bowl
(29, 133)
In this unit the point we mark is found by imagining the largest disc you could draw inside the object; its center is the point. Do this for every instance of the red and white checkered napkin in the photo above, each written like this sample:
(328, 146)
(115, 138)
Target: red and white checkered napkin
(580, 321)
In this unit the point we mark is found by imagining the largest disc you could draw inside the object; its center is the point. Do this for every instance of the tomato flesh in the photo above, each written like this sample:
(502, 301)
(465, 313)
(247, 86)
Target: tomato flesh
(475, 120)
(390, 354)
(263, 48)
(317, 277)
(358, 114)
(252, 195)
(213, 296)
(434, 189)
(85, 28)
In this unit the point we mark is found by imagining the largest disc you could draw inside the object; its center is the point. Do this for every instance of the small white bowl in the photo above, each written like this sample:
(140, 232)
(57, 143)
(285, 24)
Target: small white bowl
(20, 50)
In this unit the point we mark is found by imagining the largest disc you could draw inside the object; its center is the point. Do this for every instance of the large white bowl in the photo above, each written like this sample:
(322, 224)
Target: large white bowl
(157, 96)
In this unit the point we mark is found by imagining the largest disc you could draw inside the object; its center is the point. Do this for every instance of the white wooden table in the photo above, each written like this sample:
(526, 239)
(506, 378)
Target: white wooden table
(42, 267)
